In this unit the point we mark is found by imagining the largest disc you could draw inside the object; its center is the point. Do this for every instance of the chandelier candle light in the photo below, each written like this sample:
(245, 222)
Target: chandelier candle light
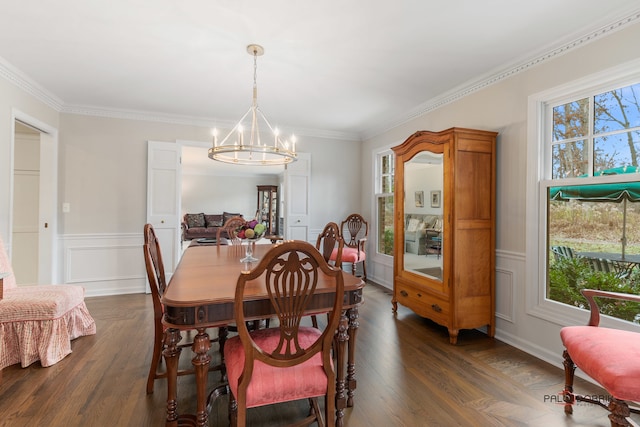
(232, 149)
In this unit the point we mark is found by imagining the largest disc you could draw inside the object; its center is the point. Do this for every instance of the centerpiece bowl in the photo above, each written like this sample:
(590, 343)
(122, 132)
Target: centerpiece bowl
(250, 232)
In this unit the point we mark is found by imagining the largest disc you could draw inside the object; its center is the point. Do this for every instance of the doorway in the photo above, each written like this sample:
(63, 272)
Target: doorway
(33, 211)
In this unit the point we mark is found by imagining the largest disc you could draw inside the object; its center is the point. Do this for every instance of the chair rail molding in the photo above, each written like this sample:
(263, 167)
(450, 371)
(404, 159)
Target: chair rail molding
(105, 264)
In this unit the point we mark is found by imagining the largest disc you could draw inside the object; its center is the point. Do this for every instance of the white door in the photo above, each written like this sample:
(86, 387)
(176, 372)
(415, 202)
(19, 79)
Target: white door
(163, 199)
(47, 207)
(296, 184)
(34, 202)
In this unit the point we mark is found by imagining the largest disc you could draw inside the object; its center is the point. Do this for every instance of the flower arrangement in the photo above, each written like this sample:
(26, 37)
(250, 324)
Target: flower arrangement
(252, 230)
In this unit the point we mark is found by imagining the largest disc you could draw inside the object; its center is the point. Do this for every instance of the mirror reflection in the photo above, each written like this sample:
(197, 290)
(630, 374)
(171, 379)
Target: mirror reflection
(423, 205)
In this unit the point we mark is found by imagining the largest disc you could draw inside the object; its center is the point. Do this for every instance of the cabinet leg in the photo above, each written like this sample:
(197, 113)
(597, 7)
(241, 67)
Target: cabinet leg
(453, 336)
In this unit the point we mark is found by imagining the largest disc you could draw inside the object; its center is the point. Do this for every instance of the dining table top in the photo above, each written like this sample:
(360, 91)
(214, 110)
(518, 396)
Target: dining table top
(207, 276)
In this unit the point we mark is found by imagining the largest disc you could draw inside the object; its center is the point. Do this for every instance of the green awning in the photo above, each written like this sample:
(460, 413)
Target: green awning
(614, 192)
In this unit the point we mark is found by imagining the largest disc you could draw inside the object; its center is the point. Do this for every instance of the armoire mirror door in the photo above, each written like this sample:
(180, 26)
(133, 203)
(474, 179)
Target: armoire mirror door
(423, 206)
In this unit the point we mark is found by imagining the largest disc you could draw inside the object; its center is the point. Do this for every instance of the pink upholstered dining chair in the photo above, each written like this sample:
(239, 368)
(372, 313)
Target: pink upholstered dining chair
(354, 231)
(610, 356)
(39, 322)
(289, 361)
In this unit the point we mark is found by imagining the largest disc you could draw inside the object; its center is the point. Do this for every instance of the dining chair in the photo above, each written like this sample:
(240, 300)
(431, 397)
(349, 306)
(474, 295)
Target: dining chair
(609, 356)
(38, 323)
(229, 230)
(328, 241)
(354, 231)
(158, 284)
(286, 362)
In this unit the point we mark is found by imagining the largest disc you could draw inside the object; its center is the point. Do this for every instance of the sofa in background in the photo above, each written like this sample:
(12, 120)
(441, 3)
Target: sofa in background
(415, 231)
(203, 226)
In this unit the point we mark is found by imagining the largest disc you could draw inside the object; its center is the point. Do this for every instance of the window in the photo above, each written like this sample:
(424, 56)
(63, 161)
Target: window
(384, 187)
(590, 187)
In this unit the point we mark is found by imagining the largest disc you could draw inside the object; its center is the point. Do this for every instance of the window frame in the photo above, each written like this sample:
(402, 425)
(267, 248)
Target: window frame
(540, 108)
(387, 259)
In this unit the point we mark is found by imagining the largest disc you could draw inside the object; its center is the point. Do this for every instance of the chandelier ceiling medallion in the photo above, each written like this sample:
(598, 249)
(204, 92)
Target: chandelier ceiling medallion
(240, 149)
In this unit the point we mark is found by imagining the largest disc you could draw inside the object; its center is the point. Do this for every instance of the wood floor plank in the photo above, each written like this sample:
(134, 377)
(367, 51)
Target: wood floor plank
(408, 375)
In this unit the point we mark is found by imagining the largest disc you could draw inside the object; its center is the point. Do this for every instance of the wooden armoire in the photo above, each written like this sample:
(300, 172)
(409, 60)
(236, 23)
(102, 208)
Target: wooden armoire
(456, 169)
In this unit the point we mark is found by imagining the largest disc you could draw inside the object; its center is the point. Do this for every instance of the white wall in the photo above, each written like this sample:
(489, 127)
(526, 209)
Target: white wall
(213, 194)
(103, 177)
(502, 107)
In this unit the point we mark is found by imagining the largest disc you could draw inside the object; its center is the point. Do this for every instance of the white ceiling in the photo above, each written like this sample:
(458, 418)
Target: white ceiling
(338, 68)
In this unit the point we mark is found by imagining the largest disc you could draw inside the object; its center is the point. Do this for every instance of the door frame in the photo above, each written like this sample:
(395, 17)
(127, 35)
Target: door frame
(47, 271)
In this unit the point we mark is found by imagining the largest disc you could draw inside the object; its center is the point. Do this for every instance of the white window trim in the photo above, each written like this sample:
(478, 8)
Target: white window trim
(536, 303)
(386, 260)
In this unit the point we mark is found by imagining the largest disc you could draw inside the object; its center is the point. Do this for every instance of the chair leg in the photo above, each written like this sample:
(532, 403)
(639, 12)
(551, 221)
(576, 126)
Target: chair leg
(619, 413)
(364, 271)
(223, 332)
(156, 358)
(314, 321)
(233, 410)
(315, 410)
(569, 371)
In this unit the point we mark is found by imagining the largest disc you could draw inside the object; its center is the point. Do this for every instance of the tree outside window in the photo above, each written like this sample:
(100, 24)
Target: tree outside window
(593, 227)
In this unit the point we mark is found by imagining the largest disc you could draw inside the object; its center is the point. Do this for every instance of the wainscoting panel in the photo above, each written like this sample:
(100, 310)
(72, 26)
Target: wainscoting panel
(504, 295)
(104, 264)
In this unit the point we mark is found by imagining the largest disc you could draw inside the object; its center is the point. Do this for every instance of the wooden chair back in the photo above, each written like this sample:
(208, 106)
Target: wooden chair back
(230, 230)
(354, 231)
(155, 269)
(329, 241)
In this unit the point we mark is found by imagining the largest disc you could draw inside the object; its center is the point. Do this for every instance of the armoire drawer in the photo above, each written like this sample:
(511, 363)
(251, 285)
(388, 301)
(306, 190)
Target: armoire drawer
(423, 303)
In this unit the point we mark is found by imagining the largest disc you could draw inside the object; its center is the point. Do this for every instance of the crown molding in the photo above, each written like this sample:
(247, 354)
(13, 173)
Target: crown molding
(193, 121)
(488, 80)
(15, 76)
(22, 81)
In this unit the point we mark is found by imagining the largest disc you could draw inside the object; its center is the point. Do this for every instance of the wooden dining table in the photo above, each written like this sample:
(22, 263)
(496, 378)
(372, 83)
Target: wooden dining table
(201, 294)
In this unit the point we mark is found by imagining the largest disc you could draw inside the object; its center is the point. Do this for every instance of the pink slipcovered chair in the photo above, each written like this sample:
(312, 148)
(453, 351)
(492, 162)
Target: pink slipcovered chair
(39, 322)
(610, 356)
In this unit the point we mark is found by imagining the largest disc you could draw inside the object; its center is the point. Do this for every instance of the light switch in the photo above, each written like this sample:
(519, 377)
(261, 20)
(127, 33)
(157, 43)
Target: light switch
(66, 207)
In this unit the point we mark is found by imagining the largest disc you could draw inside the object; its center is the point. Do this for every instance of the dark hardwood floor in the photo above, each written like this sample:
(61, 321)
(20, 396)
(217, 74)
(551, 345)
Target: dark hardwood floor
(408, 375)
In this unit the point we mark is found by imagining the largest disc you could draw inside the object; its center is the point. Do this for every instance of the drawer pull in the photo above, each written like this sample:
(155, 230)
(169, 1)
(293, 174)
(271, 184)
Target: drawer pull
(404, 293)
(436, 308)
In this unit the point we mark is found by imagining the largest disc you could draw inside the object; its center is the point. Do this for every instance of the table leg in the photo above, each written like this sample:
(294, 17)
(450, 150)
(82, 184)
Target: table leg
(171, 355)
(201, 361)
(341, 339)
(351, 361)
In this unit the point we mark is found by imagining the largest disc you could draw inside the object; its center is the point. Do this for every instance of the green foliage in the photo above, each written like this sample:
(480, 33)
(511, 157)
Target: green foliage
(387, 241)
(567, 276)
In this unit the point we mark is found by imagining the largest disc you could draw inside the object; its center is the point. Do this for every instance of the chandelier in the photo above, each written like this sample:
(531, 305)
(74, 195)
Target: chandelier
(240, 149)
